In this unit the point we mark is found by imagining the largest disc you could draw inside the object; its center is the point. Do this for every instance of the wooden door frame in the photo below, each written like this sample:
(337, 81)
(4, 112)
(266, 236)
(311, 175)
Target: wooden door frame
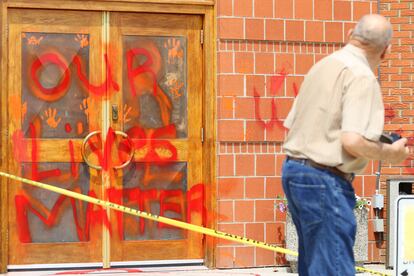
(205, 8)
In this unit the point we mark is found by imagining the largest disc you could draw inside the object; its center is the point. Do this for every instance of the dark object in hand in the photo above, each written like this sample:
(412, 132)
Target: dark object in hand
(390, 138)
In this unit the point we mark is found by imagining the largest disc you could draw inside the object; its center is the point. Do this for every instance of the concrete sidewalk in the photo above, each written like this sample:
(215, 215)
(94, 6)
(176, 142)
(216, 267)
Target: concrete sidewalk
(174, 271)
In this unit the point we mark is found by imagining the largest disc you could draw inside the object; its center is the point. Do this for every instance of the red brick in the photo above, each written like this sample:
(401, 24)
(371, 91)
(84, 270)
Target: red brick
(406, 27)
(275, 233)
(255, 29)
(226, 165)
(278, 88)
(255, 187)
(334, 32)
(230, 130)
(358, 186)
(265, 63)
(265, 210)
(275, 29)
(323, 9)
(244, 62)
(283, 9)
(230, 188)
(392, 171)
(342, 10)
(254, 131)
(243, 8)
(361, 9)
(283, 106)
(245, 165)
(276, 134)
(231, 228)
(279, 163)
(303, 9)
(263, 8)
(225, 62)
(369, 185)
(231, 85)
(244, 257)
(225, 110)
(406, 12)
(225, 7)
(303, 63)
(265, 257)
(230, 28)
(294, 30)
(274, 187)
(255, 82)
(284, 61)
(264, 108)
(244, 108)
(314, 31)
(244, 210)
(224, 257)
(293, 84)
(265, 164)
(255, 231)
(368, 169)
(225, 211)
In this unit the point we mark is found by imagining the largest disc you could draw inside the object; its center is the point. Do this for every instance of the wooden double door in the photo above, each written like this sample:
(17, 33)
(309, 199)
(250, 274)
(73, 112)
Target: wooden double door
(109, 105)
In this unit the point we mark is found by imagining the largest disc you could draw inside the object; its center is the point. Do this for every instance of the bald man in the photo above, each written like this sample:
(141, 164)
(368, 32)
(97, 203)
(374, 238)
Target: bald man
(334, 129)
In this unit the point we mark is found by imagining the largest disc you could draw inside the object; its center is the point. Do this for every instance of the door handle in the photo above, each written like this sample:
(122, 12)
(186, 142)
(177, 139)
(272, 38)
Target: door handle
(98, 167)
(115, 112)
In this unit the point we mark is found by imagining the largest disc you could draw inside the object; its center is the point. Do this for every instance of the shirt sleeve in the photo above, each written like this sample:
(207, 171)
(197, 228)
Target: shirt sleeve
(362, 108)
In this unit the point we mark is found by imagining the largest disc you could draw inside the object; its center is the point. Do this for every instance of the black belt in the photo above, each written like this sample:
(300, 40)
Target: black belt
(347, 176)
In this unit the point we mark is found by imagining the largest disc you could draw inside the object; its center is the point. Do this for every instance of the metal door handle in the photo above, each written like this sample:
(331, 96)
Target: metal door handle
(98, 167)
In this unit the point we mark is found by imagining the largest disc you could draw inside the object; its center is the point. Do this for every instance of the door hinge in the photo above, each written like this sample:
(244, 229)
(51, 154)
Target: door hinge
(202, 37)
(202, 135)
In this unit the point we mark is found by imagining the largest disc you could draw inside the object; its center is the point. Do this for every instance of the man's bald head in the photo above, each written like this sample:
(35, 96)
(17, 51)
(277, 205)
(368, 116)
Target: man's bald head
(373, 30)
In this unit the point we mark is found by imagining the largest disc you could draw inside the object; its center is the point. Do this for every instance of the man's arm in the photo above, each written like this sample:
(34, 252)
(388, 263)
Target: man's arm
(356, 145)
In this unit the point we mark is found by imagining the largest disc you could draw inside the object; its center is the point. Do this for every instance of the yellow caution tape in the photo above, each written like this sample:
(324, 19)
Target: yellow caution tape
(373, 272)
(172, 222)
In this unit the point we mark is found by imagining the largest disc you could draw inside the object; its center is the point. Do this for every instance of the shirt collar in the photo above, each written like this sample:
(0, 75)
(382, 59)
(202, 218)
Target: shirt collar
(357, 52)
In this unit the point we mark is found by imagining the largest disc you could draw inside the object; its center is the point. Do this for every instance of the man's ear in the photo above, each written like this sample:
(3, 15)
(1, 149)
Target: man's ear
(386, 51)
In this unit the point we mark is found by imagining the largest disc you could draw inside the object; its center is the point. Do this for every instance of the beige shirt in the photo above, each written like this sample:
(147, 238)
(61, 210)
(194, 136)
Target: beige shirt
(340, 93)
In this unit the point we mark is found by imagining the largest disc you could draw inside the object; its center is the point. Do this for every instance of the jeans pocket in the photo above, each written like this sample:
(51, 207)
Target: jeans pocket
(309, 200)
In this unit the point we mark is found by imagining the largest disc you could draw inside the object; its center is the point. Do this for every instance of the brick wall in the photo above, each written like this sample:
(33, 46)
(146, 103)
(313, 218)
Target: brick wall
(264, 49)
(397, 82)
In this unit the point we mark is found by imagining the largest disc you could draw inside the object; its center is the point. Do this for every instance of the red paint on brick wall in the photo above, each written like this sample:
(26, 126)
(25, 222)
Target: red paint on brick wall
(257, 40)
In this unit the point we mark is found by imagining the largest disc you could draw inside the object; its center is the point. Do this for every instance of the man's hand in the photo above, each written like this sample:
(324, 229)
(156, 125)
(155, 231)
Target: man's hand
(398, 151)
(356, 145)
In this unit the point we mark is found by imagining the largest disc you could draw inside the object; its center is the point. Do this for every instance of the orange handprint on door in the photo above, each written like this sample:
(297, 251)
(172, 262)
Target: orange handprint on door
(50, 117)
(175, 51)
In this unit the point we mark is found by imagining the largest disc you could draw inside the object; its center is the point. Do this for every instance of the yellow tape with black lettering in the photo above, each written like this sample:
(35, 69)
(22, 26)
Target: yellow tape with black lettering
(172, 222)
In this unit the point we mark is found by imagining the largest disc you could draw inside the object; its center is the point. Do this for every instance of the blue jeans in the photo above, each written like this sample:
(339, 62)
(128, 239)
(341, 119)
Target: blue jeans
(321, 204)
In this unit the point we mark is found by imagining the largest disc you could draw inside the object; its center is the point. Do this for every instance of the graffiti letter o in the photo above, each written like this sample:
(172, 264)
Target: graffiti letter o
(54, 93)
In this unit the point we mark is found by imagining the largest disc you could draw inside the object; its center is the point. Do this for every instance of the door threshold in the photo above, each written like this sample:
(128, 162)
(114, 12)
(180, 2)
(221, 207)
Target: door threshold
(155, 264)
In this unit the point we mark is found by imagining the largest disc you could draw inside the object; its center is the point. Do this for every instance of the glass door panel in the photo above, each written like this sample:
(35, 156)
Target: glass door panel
(52, 58)
(160, 107)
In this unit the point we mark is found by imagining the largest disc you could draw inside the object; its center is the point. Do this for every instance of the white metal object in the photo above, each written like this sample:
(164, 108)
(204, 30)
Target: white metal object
(404, 238)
